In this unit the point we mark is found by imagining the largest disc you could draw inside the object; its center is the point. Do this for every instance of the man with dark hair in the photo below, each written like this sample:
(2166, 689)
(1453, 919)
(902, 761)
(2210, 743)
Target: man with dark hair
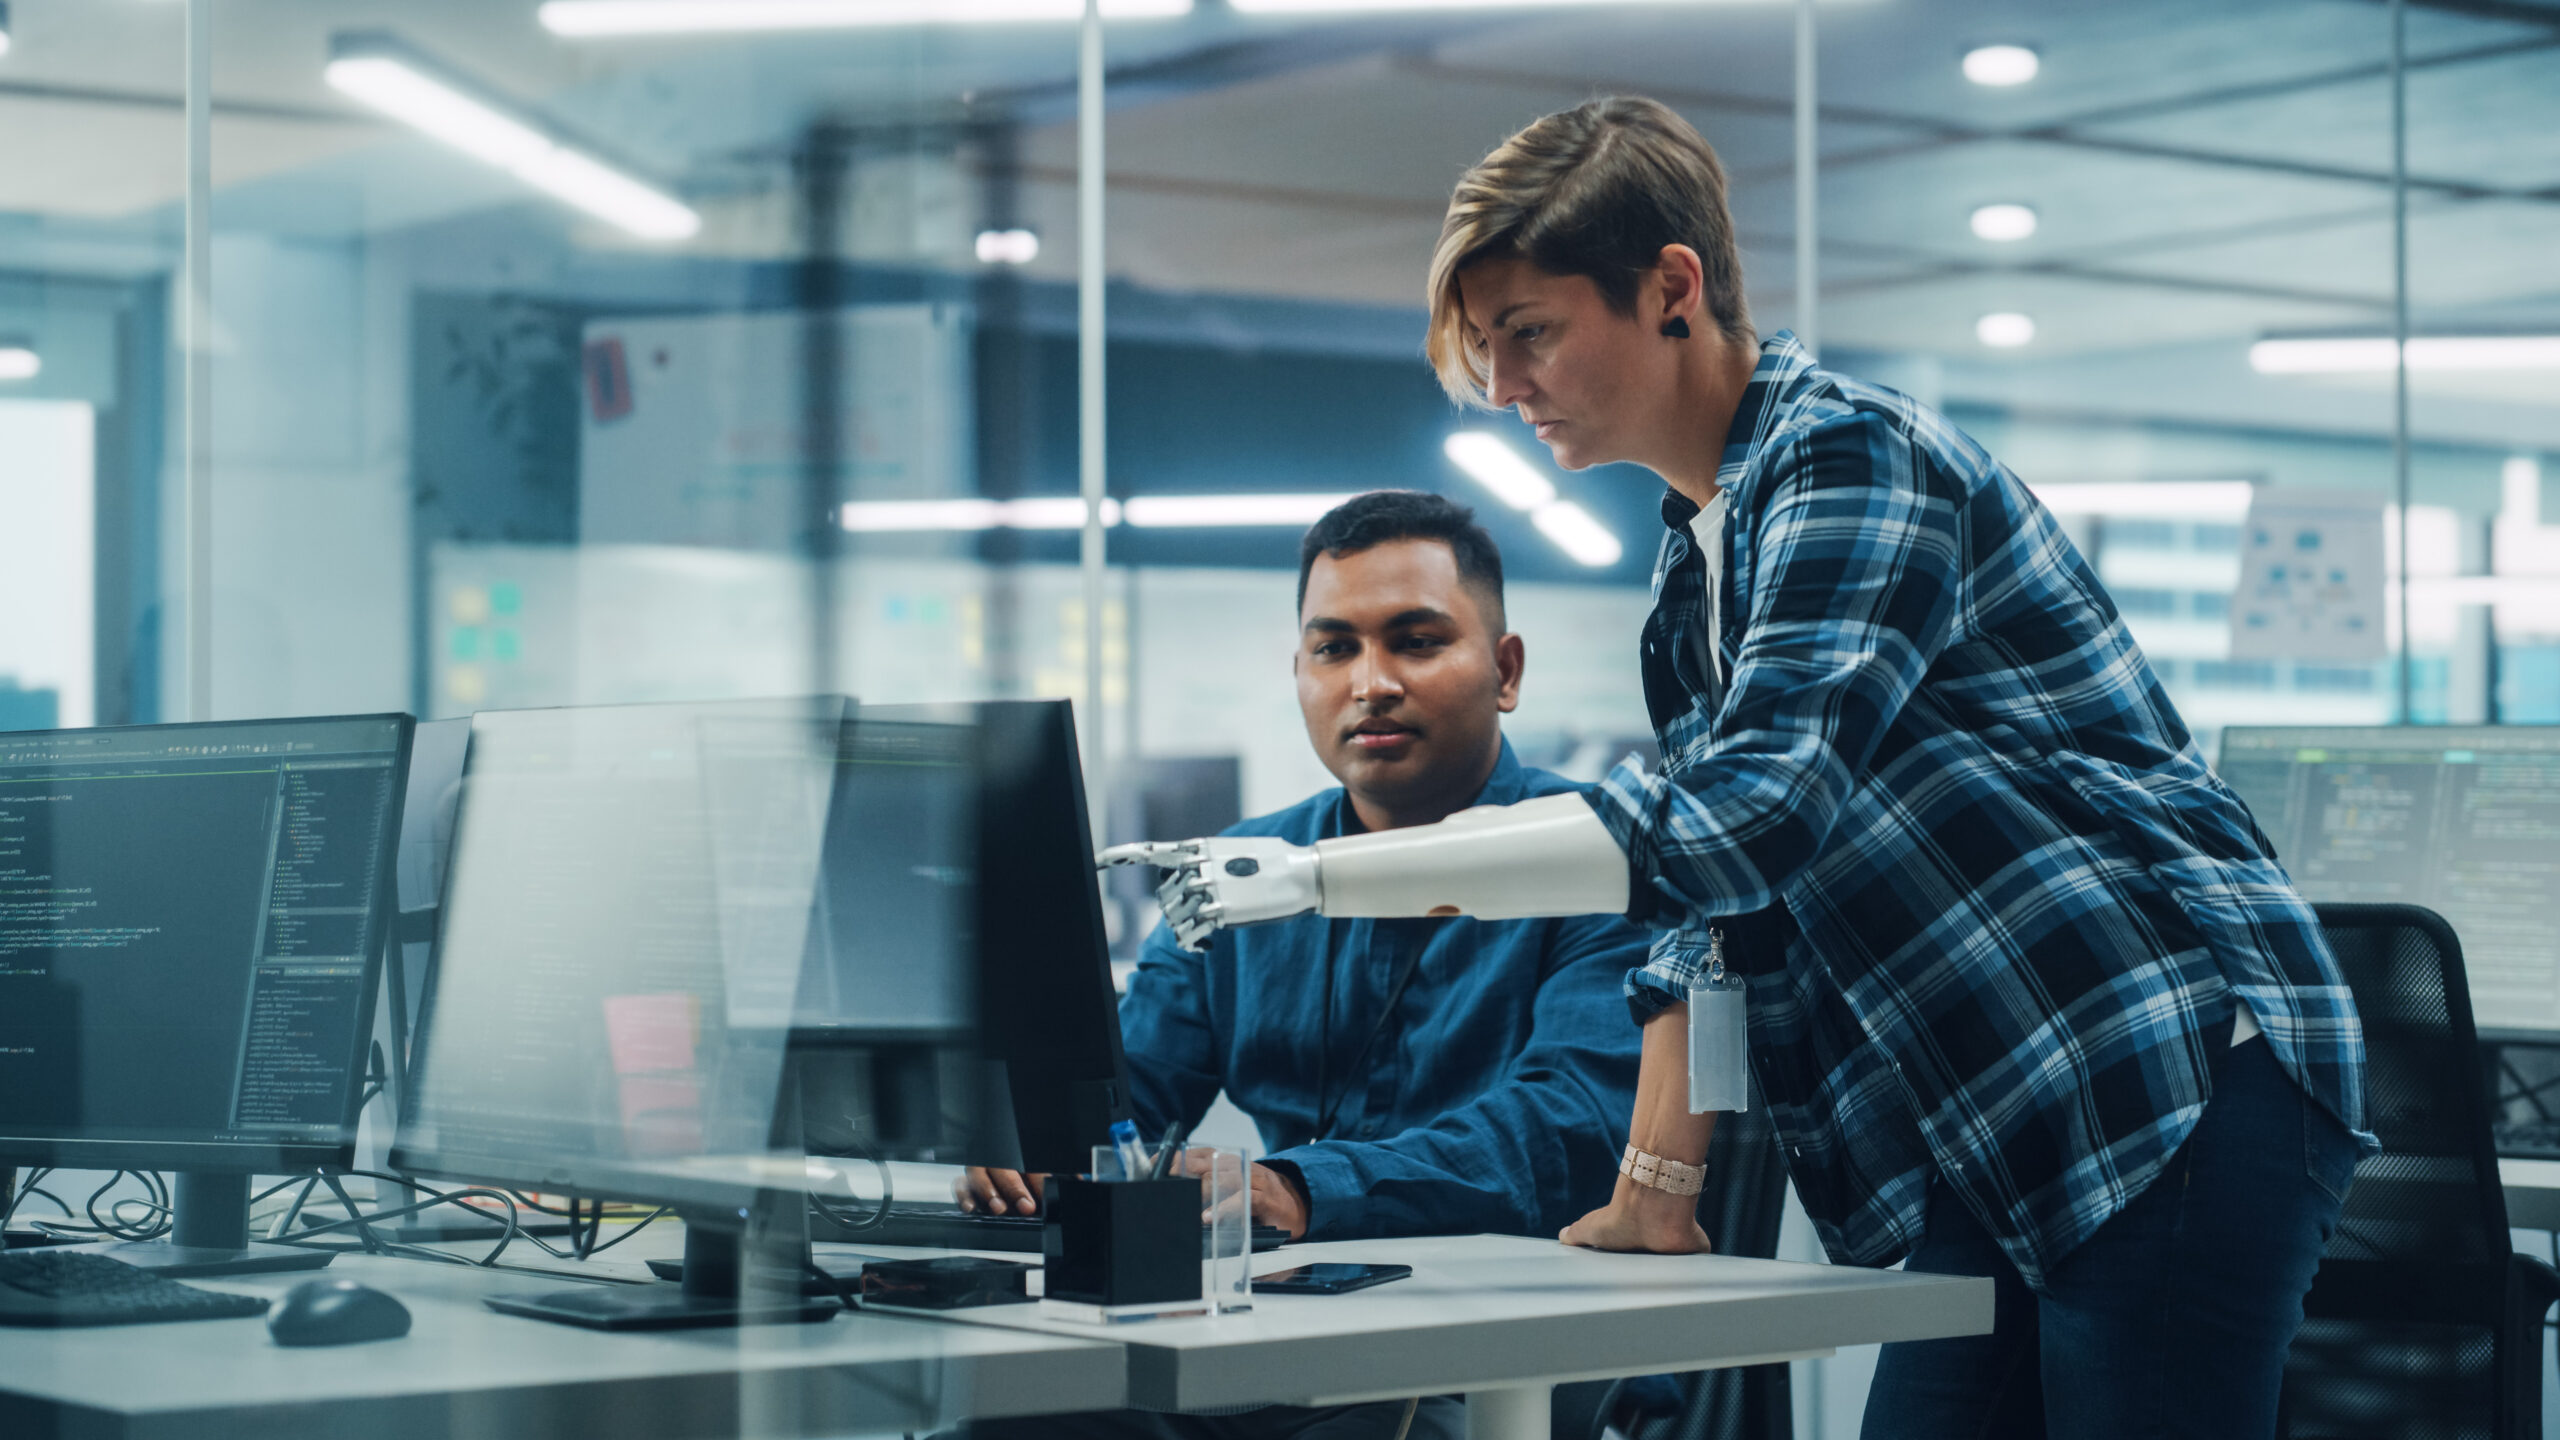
(1409, 1077)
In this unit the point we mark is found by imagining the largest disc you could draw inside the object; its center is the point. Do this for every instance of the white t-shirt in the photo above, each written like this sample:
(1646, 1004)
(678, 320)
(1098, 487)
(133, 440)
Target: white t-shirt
(1707, 526)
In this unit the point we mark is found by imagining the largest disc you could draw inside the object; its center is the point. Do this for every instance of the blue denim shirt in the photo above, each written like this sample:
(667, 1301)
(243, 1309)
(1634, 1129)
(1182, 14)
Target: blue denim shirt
(1495, 1097)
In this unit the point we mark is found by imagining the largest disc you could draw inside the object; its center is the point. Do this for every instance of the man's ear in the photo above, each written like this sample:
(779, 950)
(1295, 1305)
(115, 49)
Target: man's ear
(1510, 656)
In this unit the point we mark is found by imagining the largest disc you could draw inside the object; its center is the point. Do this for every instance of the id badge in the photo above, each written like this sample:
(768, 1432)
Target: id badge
(1719, 1060)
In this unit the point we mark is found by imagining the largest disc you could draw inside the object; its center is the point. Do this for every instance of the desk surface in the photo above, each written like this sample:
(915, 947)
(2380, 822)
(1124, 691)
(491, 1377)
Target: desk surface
(1483, 1312)
(465, 1372)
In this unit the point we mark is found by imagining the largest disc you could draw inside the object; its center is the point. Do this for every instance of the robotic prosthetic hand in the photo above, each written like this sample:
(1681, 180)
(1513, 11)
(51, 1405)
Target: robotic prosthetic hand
(1548, 856)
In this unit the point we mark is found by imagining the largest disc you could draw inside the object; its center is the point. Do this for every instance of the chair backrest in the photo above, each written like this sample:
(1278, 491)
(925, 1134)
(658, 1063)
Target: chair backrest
(2405, 1320)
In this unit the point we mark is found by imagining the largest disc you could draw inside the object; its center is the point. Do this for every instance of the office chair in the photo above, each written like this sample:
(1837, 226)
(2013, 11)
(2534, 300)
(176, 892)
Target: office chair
(1741, 1207)
(2422, 1321)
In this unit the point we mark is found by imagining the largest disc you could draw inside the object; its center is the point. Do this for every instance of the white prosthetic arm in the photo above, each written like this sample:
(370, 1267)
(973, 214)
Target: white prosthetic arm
(1548, 856)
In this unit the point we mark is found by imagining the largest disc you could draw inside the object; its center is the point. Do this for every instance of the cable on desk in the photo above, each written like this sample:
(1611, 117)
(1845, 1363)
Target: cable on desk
(361, 1222)
(627, 1234)
(33, 1185)
(845, 1217)
(154, 1199)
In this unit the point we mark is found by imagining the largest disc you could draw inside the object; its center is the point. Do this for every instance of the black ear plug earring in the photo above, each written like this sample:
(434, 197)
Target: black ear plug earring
(1676, 327)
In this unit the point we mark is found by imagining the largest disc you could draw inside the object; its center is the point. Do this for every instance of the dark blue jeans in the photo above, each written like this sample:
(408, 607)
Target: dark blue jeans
(2173, 1319)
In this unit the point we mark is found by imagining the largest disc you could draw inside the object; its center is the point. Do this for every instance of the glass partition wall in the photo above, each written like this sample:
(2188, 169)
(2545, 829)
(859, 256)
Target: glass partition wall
(494, 355)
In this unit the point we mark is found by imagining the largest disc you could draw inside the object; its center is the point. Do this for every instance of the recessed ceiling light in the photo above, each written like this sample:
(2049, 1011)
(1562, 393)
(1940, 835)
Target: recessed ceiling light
(2004, 329)
(2000, 64)
(19, 360)
(1008, 247)
(2004, 221)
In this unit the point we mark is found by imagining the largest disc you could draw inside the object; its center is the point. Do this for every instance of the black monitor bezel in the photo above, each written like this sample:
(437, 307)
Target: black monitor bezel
(254, 1157)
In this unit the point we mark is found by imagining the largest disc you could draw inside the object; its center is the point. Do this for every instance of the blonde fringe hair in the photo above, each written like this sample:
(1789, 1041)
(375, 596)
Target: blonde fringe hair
(1597, 190)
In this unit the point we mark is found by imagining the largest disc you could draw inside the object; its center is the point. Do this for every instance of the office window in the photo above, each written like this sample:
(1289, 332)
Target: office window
(46, 555)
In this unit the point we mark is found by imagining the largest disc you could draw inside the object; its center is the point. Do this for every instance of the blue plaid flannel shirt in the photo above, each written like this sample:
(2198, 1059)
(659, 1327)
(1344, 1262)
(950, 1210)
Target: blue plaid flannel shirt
(1992, 907)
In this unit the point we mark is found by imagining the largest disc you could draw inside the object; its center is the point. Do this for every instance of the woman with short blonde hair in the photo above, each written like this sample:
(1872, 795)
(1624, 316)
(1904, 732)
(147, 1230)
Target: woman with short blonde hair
(1937, 870)
(2027, 994)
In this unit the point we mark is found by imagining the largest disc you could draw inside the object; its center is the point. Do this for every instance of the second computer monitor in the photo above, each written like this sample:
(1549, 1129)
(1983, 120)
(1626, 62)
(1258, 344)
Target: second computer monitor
(2464, 820)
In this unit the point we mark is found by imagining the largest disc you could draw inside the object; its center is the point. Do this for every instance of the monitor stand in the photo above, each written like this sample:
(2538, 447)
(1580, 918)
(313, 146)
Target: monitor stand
(209, 1235)
(737, 1271)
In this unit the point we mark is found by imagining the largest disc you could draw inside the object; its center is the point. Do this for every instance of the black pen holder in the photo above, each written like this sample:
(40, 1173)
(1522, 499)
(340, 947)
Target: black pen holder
(1129, 1242)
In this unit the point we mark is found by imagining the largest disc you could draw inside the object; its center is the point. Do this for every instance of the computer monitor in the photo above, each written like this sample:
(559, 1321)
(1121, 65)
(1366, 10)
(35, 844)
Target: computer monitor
(884, 1057)
(2464, 820)
(1049, 1013)
(434, 789)
(624, 920)
(191, 924)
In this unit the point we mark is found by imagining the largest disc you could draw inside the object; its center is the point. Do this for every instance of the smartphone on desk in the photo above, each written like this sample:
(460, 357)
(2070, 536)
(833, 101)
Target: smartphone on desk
(1327, 1279)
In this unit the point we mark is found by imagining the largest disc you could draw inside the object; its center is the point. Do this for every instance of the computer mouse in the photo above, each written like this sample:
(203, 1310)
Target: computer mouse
(335, 1312)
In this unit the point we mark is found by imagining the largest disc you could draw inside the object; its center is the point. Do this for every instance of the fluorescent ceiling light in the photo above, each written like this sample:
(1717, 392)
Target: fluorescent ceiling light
(1066, 512)
(2356, 354)
(2004, 221)
(19, 362)
(1498, 468)
(1008, 247)
(2005, 329)
(1517, 483)
(411, 87)
(597, 18)
(2212, 501)
(1345, 7)
(1577, 534)
(2001, 65)
(1157, 512)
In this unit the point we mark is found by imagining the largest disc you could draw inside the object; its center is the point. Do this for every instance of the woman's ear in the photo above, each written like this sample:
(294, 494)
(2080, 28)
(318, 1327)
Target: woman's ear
(1679, 281)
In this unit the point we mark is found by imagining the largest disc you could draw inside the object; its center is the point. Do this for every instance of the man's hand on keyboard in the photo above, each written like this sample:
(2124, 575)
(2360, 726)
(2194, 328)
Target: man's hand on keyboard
(998, 1192)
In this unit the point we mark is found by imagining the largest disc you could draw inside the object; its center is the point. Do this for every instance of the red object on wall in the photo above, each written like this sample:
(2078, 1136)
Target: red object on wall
(608, 380)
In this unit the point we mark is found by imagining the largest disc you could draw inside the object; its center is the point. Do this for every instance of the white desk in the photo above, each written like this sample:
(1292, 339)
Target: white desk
(1505, 1320)
(466, 1373)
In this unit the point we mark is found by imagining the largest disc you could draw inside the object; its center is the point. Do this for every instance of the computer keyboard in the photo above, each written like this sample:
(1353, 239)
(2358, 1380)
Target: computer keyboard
(56, 1288)
(945, 1226)
(2527, 1139)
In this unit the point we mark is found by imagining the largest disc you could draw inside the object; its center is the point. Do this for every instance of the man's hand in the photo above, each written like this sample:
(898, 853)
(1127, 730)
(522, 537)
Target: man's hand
(1277, 1200)
(1643, 1219)
(1224, 880)
(998, 1192)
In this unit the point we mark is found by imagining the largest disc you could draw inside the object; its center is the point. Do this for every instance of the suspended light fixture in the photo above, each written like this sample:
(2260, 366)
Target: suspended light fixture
(2365, 354)
(600, 19)
(410, 86)
(1066, 512)
(1516, 483)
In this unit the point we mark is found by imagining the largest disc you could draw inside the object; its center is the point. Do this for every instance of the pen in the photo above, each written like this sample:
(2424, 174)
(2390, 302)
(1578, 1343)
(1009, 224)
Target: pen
(1164, 1150)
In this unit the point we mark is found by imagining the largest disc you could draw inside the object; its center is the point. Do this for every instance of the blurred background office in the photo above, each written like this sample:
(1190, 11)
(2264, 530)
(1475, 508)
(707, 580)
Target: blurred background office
(360, 356)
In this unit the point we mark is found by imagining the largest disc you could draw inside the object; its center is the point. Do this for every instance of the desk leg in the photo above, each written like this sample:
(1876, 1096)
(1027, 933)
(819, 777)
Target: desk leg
(1518, 1412)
